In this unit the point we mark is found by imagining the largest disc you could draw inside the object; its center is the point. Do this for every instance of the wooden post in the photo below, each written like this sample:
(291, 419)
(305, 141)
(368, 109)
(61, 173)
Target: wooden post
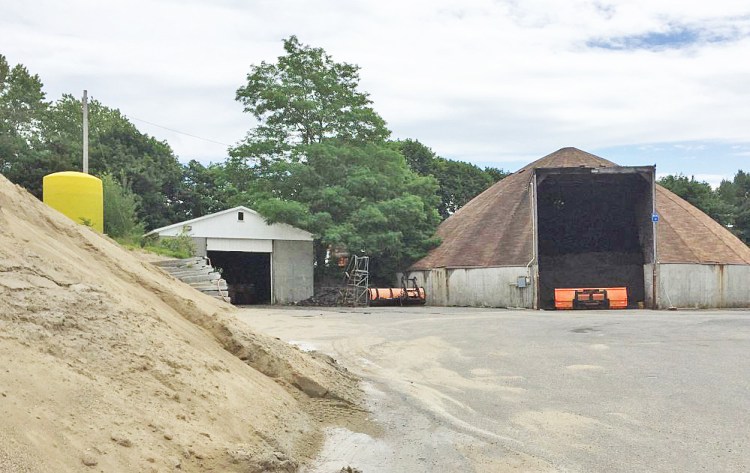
(85, 132)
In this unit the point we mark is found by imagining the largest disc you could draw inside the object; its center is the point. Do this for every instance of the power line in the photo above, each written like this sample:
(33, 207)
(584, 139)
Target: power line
(180, 132)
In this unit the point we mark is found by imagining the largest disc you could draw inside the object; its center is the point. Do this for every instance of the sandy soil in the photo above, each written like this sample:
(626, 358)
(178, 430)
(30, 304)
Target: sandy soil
(108, 364)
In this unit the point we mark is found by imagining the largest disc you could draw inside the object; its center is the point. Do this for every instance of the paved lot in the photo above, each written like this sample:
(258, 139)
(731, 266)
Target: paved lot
(497, 390)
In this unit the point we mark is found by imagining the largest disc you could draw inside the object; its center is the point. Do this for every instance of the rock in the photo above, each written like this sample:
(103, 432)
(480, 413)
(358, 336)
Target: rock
(121, 440)
(89, 460)
(309, 386)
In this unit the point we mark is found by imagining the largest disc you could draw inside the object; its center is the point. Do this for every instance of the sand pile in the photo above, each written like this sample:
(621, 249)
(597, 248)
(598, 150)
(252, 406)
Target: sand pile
(108, 364)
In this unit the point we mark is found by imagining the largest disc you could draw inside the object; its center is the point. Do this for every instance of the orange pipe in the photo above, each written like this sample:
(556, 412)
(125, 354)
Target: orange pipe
(396, 296)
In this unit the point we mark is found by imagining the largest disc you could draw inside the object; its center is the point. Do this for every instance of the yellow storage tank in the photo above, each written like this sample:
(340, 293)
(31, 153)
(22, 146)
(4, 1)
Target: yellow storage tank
(77, 195)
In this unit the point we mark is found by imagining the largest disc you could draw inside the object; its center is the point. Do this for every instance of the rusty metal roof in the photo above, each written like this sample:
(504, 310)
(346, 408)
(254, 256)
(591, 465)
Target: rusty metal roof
(495, 228)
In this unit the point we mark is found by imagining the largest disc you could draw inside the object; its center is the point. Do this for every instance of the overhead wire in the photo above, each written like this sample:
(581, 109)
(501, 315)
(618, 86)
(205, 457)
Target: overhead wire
(180, 132)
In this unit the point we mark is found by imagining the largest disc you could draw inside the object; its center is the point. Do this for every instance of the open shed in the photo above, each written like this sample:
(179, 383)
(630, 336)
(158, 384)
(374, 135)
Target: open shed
(574, 220)
(262, 263)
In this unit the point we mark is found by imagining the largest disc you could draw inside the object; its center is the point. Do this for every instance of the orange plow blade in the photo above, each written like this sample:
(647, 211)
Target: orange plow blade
(591, 298)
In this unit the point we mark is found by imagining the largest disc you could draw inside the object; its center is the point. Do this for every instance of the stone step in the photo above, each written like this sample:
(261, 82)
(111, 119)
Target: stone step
(191, 267)
(200, 278)
(210, 286)
(180, 262)
(191, 271)
(214, 292)
(198, 274)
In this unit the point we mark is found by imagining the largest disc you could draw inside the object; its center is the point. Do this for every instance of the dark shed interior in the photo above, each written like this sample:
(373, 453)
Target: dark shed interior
(594, 229)
(248, 275)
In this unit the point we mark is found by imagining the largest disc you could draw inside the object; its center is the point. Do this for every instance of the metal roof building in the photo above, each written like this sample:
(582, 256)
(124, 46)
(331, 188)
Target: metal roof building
(573, 219)
(262, 263)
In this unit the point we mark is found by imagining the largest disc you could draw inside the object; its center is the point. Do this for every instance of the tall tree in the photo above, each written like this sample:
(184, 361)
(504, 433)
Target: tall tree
(305, 98)
(736, 193)
(205, 189)
(22, 111)
(458, 182)
(701, 195)
(318, 160)
(141, 163)
(363, 198)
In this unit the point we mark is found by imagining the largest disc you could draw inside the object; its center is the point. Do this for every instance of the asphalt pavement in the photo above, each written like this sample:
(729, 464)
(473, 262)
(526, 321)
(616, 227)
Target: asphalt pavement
(490, 390)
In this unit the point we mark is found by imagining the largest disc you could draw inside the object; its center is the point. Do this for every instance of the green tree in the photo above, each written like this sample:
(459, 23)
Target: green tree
(120, 206)
(141, 163)
(736, 194)
(318, 160)
(360, 197)
(204, 190)
(458, 182)
(23, 109)
(305, 98)
(701, 195)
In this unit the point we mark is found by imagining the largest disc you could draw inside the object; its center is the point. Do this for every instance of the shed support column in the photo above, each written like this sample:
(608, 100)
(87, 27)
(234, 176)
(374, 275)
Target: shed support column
(534, 269)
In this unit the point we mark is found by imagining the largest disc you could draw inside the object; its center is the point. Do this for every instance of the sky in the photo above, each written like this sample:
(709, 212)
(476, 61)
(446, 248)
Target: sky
(496, 83)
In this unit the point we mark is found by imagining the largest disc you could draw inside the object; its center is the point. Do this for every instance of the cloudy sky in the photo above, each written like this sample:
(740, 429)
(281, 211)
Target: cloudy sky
(496, 83)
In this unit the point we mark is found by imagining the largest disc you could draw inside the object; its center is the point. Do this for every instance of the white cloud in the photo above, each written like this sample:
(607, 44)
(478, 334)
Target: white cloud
(480, 80)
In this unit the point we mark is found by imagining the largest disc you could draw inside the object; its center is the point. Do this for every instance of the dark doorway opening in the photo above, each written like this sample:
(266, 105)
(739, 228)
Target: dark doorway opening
(594, 229)
(248, 275)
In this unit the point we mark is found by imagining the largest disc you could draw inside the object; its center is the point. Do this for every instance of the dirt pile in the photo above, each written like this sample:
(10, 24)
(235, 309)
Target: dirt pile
(324, 297)
(109, 364)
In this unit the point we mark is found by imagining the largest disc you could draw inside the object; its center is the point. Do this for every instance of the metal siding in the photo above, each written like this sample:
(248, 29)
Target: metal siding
(227, 225)
(238, 244)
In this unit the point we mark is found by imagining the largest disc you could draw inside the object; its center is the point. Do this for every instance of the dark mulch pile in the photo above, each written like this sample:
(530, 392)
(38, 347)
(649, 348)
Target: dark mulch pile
(324, 297)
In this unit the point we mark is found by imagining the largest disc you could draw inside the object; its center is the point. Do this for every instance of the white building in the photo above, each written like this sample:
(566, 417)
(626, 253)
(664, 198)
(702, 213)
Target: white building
(262, 263)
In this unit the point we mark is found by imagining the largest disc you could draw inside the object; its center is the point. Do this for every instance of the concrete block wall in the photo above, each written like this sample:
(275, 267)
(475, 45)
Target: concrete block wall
(648, 283)
(200, 246)
(476, 287)
(703, 285)
(292, 269)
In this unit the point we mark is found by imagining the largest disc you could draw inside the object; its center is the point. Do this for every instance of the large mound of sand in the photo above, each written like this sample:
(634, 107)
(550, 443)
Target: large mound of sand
(108, 364)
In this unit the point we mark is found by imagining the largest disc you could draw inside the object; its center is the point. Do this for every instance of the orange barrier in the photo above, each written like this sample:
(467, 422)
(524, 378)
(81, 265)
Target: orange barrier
(396, 296)
(591, 298)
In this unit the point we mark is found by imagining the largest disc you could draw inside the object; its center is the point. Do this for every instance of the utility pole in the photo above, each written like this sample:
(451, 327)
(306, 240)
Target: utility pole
(85, 132)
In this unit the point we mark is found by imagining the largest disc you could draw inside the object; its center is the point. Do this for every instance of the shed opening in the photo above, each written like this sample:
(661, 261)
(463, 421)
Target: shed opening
(248, 275)
(594, 229)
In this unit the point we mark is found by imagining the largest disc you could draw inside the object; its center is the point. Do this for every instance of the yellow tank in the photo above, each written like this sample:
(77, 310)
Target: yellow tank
(77, 195)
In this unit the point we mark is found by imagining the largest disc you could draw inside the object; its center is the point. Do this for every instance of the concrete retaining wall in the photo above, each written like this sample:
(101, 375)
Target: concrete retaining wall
(292, 263)
(703, 285)
(476, 287)
(678, 285)
(200, 246)
(648, 283)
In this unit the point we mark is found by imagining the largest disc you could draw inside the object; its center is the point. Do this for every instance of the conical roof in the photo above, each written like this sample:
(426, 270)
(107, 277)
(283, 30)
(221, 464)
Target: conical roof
(495, 228)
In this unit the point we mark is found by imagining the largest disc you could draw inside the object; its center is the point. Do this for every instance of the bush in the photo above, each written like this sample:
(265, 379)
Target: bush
(181, 246)
(120, 204)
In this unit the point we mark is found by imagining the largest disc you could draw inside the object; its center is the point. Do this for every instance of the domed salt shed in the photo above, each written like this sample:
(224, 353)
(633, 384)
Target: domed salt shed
(76, 195)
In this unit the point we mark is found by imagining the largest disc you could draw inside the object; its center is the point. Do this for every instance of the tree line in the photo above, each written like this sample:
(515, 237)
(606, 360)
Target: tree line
(321, 158)
(728, 204)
